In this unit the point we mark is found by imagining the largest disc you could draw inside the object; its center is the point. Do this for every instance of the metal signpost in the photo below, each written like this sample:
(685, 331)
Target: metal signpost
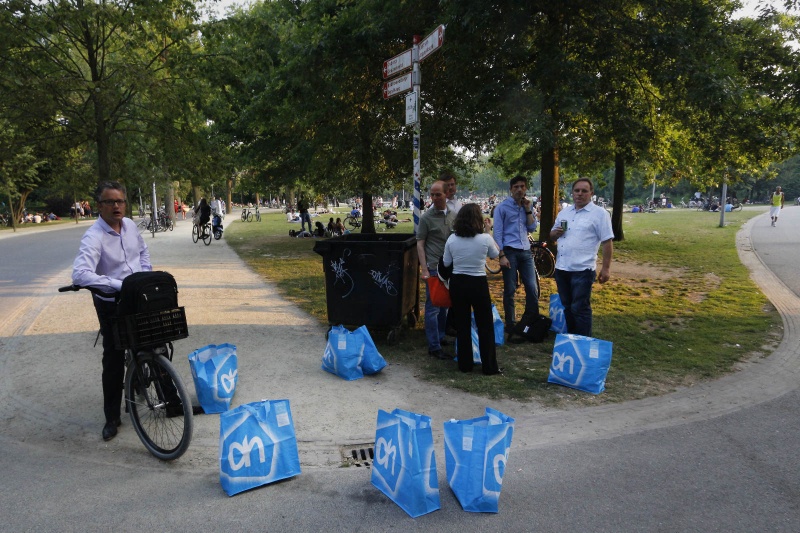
(411, 82)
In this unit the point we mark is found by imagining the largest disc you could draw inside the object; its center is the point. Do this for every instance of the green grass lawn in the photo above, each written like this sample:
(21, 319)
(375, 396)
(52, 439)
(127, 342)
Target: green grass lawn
(679, 308)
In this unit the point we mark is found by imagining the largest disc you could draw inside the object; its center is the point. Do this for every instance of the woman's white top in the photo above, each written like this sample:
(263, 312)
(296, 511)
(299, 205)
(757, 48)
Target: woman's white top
(468, 254)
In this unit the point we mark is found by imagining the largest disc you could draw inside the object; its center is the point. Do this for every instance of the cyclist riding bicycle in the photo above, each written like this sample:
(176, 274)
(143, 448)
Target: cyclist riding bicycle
(204, 210)
(110, 250)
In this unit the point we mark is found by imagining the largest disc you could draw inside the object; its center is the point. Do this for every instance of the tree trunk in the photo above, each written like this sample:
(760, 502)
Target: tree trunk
(619, 193)
(169, 202)
(549, 197)
(368, 219)
(228, 195)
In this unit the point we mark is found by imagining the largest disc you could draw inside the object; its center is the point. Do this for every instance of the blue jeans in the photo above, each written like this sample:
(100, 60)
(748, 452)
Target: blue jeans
(520, 261)
(435, 320)
(305, 217)
(575, 291)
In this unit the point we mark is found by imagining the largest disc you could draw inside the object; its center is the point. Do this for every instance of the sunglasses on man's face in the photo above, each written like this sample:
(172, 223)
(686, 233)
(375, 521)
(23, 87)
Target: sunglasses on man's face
(112, 202)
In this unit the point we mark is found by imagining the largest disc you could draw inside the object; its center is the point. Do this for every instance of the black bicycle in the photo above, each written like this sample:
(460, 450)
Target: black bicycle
(543, 260)
(248, 215)
(202, 232)
(354, 221)
(155, 397)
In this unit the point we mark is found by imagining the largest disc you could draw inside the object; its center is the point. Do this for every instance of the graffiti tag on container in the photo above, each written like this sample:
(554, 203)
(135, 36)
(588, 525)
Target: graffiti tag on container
(382, 280)
(341, 273)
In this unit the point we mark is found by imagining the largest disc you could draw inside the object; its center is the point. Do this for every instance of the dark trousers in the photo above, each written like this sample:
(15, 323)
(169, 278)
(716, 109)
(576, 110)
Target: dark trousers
(575, 291)
(113, 361)
(470, 294)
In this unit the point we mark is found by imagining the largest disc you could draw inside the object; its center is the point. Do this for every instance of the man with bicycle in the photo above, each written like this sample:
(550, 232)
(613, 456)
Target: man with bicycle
(513, 220)
(110, 250)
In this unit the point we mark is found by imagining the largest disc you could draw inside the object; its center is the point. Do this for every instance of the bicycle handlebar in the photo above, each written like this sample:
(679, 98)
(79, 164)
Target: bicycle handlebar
(98, 292)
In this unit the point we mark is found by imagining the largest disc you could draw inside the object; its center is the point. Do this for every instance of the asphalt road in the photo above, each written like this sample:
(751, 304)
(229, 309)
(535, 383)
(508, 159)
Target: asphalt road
(717, 457)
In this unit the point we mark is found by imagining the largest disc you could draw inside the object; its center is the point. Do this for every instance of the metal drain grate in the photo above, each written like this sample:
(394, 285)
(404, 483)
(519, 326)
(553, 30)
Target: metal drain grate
(358, 455)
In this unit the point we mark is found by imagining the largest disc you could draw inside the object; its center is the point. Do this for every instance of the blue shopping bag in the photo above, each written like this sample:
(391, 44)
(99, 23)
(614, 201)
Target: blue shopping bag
(580, 362)
(404, 467)
(215, 374)
(257, 445)
(343, 354)
(499, 335)
(372, 361)
(475, 456)
(559, 324)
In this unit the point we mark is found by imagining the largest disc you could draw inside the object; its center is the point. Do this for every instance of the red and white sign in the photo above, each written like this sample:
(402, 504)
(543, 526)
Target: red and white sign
(432, 42)
(399, 85)
(398, 63)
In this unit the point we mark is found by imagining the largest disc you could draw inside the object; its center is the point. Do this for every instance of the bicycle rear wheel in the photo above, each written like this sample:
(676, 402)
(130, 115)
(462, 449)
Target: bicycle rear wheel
(207, 234)
(544, 261)
(249, 217)
(258, 216)
(159, 406)
(244, 215)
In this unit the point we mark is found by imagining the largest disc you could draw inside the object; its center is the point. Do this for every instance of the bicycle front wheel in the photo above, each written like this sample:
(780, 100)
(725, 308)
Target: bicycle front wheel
(258, 217)
(352, 222)
(195, 233)
(159, 406)
(249, 217)
(244, 216)
(493, 265)
(544, 261)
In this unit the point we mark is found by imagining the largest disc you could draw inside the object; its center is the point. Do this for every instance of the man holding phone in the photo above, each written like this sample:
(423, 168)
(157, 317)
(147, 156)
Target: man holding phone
(513, 220)
(580, 229)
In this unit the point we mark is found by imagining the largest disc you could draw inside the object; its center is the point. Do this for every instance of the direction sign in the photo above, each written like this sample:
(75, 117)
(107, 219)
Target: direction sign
(432, 42)
(411, 109)
(398, 85)
(398, 63)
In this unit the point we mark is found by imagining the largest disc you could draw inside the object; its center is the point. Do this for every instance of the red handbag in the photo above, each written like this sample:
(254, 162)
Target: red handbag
(440, 295)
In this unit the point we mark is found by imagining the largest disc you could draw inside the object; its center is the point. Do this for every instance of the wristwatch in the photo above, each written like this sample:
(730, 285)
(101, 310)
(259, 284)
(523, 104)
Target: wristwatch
(528, 212)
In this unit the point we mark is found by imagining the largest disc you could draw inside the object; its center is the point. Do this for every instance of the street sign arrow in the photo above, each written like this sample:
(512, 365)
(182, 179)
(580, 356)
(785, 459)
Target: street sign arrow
(432, 42)
(398, 63)
(398, 85)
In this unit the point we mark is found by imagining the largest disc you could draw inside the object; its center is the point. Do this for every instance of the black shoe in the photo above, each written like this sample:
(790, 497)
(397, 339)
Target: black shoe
(444, 342)
(174, 409)
(451, 332)
(198, 410)
(440, 354)
(110, 429)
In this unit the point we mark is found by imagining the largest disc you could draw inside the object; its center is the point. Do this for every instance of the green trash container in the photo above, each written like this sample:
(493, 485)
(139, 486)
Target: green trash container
(371, 280)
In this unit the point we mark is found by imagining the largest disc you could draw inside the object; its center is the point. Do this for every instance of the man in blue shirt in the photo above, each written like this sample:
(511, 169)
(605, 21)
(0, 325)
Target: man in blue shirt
(111, 249)
(513, 220)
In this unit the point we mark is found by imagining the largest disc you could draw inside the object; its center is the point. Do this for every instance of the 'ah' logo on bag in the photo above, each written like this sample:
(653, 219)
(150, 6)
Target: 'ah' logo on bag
(497, 454)
(389, 456)
(228, 380)
(383, 450)
(245, 448)
(560, 359)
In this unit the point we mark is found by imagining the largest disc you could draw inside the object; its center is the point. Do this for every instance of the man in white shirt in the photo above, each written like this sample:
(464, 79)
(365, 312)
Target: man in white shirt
(449, 179)
(111, 249)
(580, 229)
